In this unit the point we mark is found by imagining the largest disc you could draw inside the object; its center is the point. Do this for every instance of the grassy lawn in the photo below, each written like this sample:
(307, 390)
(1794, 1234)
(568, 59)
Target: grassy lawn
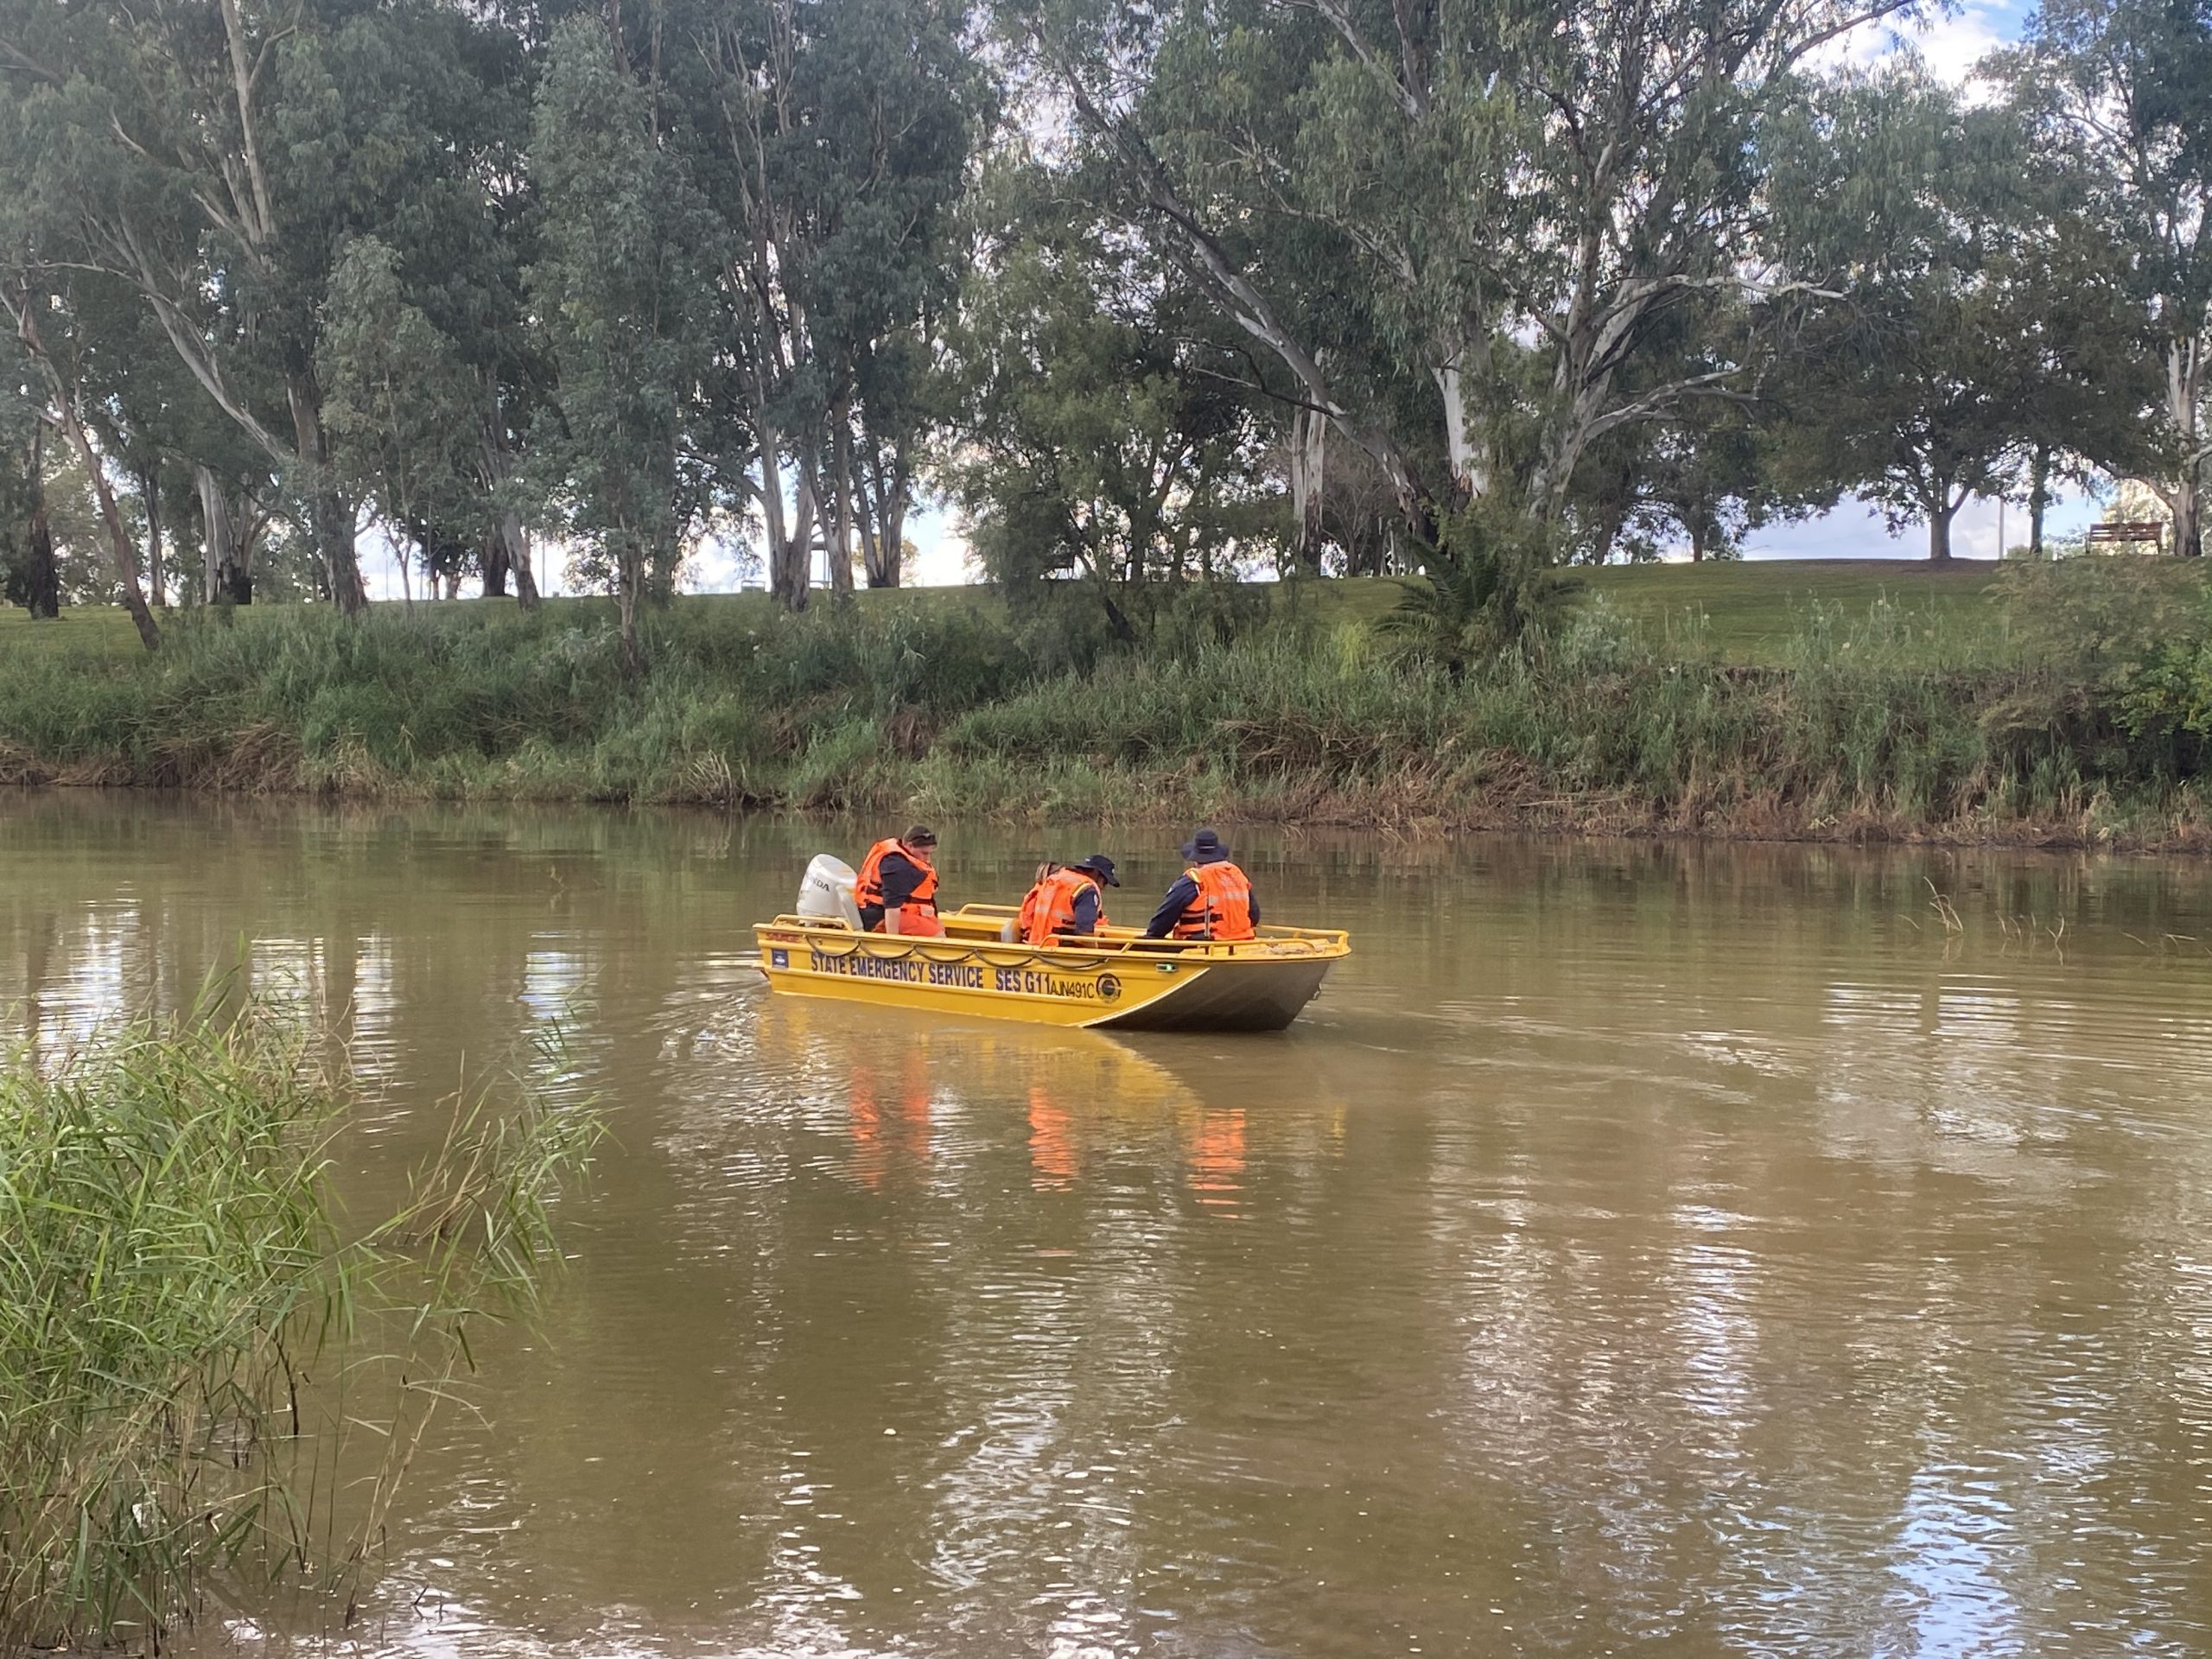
(83, 630)
(1742, 611)
(1733, 612)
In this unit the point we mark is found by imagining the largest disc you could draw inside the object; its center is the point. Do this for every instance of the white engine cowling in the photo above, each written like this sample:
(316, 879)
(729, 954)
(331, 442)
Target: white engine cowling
(826, 894)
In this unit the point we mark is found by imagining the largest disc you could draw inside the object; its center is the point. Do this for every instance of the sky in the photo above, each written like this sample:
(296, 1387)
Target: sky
(1951, 44)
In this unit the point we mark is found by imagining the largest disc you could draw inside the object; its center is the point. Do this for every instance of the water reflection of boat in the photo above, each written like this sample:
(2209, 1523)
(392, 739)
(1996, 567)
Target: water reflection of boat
(1081, 1094)
(1118, 979)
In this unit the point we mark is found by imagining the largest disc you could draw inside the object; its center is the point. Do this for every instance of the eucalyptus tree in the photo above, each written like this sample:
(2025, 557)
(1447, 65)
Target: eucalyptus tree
(1525, 194)
(622, 290)
(43, 305)
(1107, 435)
(2123, 89)
(400, 402)
(458, 264)
(1980, 341)
(215, 157)
(149, 419)
(832, 139)
(39, 314)
(897, 101)
(28, 574)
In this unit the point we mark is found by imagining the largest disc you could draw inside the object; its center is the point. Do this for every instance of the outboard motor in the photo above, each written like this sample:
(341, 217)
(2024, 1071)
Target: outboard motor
(826, 894)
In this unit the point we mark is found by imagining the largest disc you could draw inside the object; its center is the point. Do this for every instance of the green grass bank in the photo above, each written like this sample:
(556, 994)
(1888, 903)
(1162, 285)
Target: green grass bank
(2046, 703)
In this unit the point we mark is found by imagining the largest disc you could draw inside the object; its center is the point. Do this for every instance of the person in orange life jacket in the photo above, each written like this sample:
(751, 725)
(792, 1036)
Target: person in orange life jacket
(897, 888)
(1213, 899)
(1066, 901)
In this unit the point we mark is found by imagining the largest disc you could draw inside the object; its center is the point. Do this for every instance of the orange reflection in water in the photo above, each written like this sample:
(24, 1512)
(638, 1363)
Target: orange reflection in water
(1052, 1143)
(886, 1134)
(1217, 1160)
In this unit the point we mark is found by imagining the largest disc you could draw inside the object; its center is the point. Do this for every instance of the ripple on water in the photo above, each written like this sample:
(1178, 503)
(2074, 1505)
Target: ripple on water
(1667, 1249)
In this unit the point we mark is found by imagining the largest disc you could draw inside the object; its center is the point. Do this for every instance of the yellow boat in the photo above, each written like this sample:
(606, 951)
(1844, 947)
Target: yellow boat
(1119, 980)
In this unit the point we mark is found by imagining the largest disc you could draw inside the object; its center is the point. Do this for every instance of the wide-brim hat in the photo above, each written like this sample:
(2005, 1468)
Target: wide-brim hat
(1204, 844)
(1100, 866)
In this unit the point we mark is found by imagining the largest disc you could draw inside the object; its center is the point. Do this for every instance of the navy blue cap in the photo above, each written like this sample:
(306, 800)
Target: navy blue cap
(1100, 866)
(1204, 844)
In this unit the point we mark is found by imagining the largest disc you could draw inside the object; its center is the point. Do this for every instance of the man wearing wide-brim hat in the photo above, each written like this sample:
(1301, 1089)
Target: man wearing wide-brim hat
(1212, 900)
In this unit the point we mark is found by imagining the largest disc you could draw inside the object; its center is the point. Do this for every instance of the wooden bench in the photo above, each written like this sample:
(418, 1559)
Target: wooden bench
(2122, 532)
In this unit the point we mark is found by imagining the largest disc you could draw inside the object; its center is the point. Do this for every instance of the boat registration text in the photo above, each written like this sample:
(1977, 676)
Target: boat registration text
(958, 975)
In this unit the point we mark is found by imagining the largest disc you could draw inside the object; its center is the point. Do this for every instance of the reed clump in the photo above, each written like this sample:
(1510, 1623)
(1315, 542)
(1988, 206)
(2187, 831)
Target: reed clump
(192, 1338)
(1588, 728)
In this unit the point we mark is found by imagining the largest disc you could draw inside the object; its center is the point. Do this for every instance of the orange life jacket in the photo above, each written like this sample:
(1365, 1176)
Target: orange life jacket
(1223, 909)
(1034, 902)
(1050, 907)
(918, 916)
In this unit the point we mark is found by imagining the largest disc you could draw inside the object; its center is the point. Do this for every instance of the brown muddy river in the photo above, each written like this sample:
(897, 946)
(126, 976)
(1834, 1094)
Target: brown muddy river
(1638, 1248)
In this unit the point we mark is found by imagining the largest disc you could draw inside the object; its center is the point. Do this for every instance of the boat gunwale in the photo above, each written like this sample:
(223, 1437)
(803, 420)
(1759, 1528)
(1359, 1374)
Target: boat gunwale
(1274, 943)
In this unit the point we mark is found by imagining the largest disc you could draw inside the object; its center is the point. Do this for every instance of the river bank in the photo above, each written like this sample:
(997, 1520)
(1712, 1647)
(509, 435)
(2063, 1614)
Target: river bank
(2069, 714)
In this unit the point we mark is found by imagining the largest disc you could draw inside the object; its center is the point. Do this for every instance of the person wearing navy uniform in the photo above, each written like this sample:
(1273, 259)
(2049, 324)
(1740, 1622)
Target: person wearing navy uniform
(897, 887)
(1211, 901)
(1066, 902)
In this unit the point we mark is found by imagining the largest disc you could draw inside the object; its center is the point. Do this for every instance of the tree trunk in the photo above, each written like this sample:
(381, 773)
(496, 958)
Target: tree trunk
(22, 308)
(43, 575)
(891, 532)
(334, 535)
(119, 543)
(330, 515)
(1697, 538)
(791, 565)
(2039, 499)
(786, 547)
(246, 528)
(214, 536)
(226, 578)
(516, 541)
(1309, 435)
(2189, 518)
(864, 524)
(494, 559)
(841, 542)
(629, 589)
(42, 579)
(887, 494)
(1939, 531)
(1611, 522)
(2185, 364)
(150, 487)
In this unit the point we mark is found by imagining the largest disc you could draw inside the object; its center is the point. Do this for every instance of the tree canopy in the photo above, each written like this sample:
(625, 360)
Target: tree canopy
(1152, 291)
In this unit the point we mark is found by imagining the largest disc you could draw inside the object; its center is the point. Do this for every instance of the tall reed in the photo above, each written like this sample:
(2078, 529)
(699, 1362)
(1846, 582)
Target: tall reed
(183, 1315)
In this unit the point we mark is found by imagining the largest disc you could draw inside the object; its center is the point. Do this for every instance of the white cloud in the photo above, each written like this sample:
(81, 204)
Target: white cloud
(1949, 42)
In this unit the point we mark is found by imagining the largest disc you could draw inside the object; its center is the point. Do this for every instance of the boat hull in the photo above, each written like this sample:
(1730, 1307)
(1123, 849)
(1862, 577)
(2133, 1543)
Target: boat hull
(1256, 997)
(1121, 982)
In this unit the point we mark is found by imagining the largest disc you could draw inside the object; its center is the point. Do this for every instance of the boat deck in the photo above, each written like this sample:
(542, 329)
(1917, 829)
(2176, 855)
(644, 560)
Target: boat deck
(1118, 979)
